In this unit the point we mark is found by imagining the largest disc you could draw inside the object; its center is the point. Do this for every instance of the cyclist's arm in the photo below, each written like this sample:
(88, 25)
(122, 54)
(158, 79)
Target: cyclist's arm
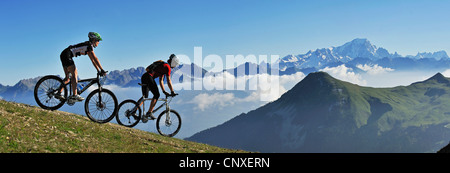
(169, 83)
(161, 83)
(95, 61)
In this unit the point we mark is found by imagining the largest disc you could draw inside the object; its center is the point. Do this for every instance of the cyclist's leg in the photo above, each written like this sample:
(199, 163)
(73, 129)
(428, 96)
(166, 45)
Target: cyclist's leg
(154, 89)
(74, 81)
(145, 78)
(66, 78)
(150, 84)
(67, 61)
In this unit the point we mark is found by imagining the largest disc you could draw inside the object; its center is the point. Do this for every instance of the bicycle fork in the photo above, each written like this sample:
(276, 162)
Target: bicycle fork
(168, 122)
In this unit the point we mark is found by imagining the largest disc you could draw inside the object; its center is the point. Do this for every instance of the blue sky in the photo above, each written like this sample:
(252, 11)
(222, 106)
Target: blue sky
(136, 33)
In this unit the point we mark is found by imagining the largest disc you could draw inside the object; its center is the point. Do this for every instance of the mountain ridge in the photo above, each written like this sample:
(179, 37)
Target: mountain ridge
(357, 48)
(323, 114)
(357, 51)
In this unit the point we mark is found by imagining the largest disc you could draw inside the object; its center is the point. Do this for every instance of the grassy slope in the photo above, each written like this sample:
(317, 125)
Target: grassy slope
(410, 104)
(26, 128)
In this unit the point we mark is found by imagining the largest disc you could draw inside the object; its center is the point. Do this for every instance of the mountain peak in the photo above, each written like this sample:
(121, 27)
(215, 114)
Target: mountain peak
(436, 55)
(317, 77)
(320, 74)
(361, 47)
(438, 77)
(360, 41)
(313, 84)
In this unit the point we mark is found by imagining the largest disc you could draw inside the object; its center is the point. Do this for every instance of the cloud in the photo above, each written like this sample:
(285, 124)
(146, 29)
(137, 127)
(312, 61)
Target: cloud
(397, 78)
(219, 101)
(216, 100)
(344, 73)
(446, 73)
(269, 88)
(285, 83)
(375, 69)
(122, 93)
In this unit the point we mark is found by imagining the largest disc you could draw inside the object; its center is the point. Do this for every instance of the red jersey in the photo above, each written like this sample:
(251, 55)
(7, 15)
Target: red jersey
(161, 70)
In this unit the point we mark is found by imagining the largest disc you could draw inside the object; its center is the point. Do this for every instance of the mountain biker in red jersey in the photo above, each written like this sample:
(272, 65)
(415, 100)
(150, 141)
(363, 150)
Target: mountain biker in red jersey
(72, 51)
(155, 70)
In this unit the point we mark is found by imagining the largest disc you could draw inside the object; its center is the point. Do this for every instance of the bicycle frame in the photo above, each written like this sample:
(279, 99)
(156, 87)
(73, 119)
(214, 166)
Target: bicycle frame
(168, 122)
(100, 105)
(166, 102)
(92, 82)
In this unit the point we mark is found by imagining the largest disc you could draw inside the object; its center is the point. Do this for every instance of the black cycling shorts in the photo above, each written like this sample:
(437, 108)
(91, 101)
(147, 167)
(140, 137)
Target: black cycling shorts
(150, 84)
(66, 58)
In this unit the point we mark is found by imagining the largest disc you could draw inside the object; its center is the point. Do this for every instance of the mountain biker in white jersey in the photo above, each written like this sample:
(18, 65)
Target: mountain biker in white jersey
(72, 51)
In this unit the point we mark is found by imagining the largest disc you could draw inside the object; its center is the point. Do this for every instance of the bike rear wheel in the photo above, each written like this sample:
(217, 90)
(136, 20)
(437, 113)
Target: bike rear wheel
(168, 124)
(45, 91)
(125, 116)
(101, 106)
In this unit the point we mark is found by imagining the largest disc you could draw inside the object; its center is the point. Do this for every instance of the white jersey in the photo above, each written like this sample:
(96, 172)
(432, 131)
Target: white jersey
(81, 48)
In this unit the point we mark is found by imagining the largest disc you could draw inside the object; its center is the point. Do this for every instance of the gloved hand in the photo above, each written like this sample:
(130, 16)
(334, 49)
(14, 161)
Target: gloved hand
(166, 93)
(102, 73)
(172, 94)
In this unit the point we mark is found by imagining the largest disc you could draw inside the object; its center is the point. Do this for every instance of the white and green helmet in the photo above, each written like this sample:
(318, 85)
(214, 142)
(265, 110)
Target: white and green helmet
(94, 36)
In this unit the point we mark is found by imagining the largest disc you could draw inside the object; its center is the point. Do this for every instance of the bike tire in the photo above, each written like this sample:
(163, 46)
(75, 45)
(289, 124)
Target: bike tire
(170, 129)
(44, 92)
(104, 111)
(122, 117)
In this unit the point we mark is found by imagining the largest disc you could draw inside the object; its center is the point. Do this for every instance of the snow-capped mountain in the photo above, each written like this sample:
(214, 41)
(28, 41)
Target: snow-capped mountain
(361, 48)
(435, 55)
(357, 48)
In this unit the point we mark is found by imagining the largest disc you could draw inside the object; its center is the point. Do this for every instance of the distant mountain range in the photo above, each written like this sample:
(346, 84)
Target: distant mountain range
(323, 114)
(362, 51)
(21, 89)
(123, 78)
(354, 53)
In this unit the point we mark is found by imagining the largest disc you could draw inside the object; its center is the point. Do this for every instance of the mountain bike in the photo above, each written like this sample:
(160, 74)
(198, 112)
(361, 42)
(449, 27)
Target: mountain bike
(100, 105)
(168, 122)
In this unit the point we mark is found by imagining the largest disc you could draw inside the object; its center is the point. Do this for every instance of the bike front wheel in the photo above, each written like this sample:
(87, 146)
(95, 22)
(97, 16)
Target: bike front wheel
(46, 92)
(126, 116)
(168, 123)
(101, 106)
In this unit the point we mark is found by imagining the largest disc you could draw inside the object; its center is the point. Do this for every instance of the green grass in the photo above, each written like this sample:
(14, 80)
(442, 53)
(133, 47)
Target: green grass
(412, 107)
(416, 105)
(29, 129)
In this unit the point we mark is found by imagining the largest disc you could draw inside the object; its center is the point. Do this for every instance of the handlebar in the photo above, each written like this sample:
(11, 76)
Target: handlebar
(100, 73)
(172, 95)
(167, 95)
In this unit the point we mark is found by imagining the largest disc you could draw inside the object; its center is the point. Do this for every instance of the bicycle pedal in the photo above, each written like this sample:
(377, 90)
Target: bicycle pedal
(144, 120)
(70, 102)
